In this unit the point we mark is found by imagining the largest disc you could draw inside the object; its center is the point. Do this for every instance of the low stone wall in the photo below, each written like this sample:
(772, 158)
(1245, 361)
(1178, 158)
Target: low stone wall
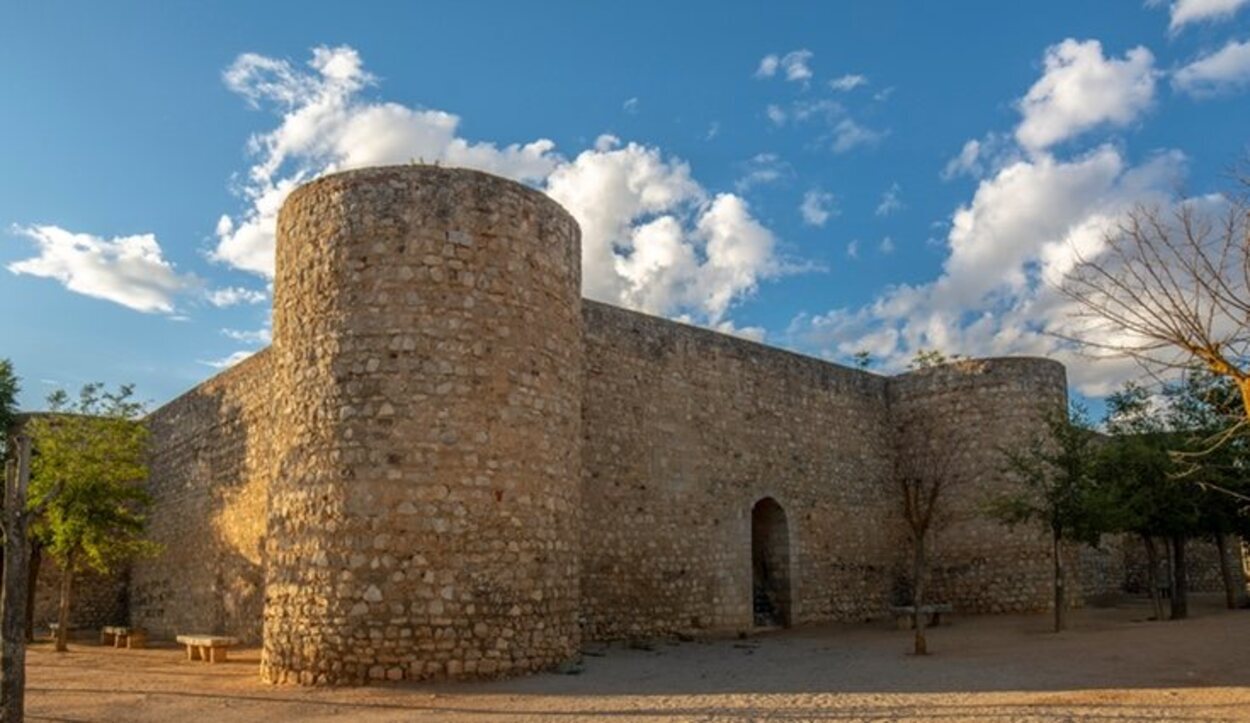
(95, 600)
(1202, 566)
(1099, 573)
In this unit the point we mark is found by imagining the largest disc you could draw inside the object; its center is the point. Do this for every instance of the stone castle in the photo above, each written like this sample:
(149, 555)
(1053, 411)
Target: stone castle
(449, 464)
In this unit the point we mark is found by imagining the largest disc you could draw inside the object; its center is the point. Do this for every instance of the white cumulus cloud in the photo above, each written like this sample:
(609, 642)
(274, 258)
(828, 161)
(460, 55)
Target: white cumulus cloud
(762, 169)
(891, 201)
(1185, 12)
(817, 207)
(793, 65)
(847, 135)
(263, 335)
(967, 162)
(1082, 89)
(234, 295)
(229, 360)
(1223, 70)
(653, 238)
(1018, 235)
(848, 82)
(128, 270)
(325, 127)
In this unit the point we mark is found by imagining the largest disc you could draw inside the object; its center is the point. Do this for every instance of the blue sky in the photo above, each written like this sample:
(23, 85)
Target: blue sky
(825, 177)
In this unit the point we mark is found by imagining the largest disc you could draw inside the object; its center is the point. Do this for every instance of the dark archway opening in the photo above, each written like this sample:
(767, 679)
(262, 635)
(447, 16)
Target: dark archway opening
(770, 564)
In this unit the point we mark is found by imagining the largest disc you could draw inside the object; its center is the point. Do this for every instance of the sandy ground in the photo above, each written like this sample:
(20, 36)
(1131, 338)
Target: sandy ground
(1113, 666)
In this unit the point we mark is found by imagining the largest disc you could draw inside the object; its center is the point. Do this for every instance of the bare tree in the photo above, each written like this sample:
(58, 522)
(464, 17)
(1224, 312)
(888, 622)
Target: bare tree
(926, 471)
(1171, 287)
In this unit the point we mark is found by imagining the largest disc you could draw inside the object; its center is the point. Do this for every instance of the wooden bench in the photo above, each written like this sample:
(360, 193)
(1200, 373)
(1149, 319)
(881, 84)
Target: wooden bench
(903, 614)
(209, 648)
(121, 636)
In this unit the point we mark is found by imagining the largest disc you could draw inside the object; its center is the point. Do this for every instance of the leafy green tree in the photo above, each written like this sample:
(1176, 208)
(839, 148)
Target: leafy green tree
(928, 358)
(1057, 488)
(862, 359)
(1204, 412)
(8, 404)
(1177, 473)
(87, 483)
(1137, 470)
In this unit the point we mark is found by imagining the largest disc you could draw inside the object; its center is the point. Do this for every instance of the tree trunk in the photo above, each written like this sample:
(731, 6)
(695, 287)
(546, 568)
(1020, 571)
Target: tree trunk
(1152, 575)
(13, 593)
(1061, 599)
(921, 646)
(62, 613)
(1226, 571)
(1180, 582)
(32, 587)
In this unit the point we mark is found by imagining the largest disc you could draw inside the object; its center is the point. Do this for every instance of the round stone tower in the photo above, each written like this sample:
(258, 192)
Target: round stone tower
(975, 410)
(423, 512)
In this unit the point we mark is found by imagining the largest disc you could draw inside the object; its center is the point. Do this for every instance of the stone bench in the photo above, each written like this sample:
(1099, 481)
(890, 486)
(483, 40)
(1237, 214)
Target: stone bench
(121, 636)
(903, 614)
(209, 648)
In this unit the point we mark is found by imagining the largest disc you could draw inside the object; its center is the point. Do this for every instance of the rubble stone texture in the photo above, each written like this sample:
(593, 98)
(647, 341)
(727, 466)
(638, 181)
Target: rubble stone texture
(423, 514)
(448, 465)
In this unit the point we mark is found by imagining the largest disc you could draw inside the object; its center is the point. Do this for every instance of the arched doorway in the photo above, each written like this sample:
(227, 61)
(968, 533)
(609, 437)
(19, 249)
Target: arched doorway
(770, 564)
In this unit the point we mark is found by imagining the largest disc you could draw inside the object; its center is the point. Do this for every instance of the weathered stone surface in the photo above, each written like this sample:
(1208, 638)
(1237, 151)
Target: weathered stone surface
(450, 466)
(685, 430)
(427, 334)
(209, 473)
(979, 565)
(98, 600)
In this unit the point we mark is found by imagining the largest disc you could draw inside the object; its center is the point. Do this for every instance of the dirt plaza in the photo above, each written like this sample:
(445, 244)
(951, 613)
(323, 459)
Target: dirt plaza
(1113, 665)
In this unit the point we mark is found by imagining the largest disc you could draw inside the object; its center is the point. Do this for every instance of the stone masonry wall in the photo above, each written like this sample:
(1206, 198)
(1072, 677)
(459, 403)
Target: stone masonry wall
(95, 600)
(981, 407)
(685, 431)
(1202, 565)
(209, 472)
(1099, 573)
(449, 465)
(424, 507)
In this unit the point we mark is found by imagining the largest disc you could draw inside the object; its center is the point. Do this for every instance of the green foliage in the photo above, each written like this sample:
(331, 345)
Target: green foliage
(928, 358)
(1136, 470)
(87, 477)
(8, 403)
(862, 359)
(1057, 483)
(1210, 450)
(1169, 462)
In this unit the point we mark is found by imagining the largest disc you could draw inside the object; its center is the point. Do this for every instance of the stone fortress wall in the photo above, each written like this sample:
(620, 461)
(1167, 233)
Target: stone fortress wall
(976, 408)
(209, 474)
(424, 509)
(685, 431)
(450, 465)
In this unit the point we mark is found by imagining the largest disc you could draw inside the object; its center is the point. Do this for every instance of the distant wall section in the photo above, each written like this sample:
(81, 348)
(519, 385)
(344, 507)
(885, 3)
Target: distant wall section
(97, 599)
(209, 467)
(685, 430)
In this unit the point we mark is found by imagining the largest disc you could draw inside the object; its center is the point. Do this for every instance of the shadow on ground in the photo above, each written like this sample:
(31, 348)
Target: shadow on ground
(1112, 666)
